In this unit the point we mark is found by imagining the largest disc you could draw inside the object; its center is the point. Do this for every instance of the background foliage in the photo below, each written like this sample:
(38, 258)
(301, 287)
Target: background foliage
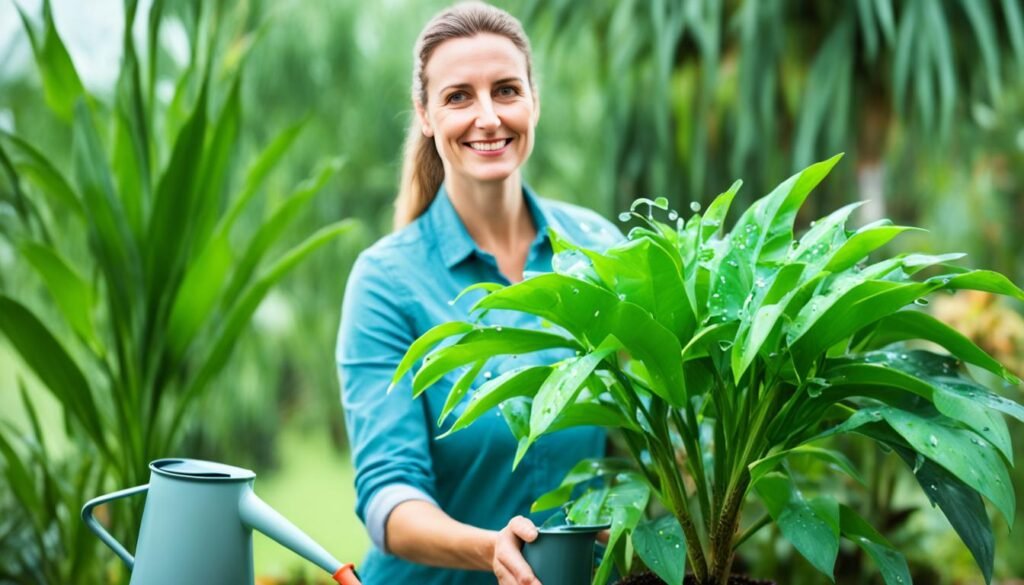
(640, 98)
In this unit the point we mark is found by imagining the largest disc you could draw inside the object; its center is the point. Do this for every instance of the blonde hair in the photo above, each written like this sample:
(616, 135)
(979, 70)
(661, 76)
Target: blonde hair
(422, 171)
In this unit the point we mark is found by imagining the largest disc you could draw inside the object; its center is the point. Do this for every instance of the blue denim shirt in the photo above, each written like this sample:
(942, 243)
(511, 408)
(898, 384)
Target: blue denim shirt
(398, 289)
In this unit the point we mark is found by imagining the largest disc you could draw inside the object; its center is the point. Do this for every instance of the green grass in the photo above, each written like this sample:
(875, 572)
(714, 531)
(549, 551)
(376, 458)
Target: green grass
(314, 490)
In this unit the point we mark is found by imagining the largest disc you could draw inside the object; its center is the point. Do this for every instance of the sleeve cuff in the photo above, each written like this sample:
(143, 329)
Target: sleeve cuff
(383, 503)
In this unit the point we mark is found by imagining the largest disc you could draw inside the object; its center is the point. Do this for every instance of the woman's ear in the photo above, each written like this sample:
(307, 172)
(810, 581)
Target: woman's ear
(536, 107)
(421, 114)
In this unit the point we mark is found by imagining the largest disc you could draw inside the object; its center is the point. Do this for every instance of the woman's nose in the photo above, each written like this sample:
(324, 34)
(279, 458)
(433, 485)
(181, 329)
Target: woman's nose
(486, 117)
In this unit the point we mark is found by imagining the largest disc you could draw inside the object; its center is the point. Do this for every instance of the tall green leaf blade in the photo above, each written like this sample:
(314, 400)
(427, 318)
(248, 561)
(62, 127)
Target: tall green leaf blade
(116, 249)
(241, 311)
(274, 227)
(172, 222)
(69, 290)
(52, 364)
(198, 294)
(257, 173)
(31, 164)
(214, 166)
(61, 85)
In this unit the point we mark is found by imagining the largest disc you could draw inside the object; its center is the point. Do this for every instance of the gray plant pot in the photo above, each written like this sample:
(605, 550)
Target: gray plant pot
(563, 555)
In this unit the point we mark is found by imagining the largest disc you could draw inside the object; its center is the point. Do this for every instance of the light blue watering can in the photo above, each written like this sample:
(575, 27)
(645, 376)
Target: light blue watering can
(197, 527)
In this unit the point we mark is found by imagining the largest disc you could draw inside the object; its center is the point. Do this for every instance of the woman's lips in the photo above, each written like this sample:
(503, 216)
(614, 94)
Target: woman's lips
(495, 152)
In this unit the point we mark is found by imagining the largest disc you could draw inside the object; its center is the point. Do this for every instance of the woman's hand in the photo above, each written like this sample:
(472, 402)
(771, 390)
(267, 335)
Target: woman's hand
(508, 563)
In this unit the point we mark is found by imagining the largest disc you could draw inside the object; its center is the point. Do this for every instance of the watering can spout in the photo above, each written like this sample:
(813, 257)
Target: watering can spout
(257, 515)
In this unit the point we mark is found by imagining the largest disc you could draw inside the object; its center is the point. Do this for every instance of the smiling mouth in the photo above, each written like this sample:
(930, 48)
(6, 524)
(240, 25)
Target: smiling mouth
(490, 145)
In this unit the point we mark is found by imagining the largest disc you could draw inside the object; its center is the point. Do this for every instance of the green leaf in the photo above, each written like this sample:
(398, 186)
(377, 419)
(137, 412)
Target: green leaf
(811, 526)
(661, 546)
(960, 451)
(61, 85)
(274, 227)
(425, 343)
(171, 223)
(520, 382)
(643, 273)
(891, 564)
(714, 218)
(960, 503)
(19, 479)
(624, 503)
(483, 343)
(257, 173)
(48, 359)
(582, 472)
(984, 280)
(564, 384)
(198, 294)
(213, 169)
(905, 325)
(762, 467)
(35, 167)
(241, 311)
(115, 248)
(594, 414)
(957, 399)
(591, 314)
(459, 390)
(69, 290)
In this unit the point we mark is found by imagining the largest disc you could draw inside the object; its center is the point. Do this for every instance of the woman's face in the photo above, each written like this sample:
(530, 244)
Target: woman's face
(480, 108)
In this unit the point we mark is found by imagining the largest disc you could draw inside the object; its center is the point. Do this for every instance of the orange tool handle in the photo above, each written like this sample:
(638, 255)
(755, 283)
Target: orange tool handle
(346, 575)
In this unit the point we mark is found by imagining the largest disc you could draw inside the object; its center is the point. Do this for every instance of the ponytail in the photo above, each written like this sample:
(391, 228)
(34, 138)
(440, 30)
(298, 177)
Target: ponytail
(422, 175)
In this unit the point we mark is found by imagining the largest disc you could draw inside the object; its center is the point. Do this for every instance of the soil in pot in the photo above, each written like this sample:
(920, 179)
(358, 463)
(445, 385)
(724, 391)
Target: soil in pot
(652, 579)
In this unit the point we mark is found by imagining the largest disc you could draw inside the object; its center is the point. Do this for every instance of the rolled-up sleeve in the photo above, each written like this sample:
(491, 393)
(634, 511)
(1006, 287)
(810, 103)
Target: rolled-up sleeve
(387, 432)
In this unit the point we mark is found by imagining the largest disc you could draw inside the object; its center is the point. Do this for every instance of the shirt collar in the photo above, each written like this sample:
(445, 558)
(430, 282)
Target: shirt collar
(452, 237)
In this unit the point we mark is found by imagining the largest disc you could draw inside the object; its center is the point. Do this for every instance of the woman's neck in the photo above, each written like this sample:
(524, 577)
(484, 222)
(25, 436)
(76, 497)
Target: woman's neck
(495, 214)
(497, 218)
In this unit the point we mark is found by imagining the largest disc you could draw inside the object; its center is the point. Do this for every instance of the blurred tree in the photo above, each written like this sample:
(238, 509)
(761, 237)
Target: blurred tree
(703, 91)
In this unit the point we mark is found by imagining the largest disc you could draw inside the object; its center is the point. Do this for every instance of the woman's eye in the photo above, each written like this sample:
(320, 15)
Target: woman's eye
(508, 91)
(457, 97)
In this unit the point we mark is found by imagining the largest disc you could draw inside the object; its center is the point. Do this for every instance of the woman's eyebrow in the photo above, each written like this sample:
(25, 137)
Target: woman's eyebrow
(470, 86)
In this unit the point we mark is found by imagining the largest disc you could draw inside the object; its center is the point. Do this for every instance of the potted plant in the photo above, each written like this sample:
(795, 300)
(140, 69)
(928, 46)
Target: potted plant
(719, 357)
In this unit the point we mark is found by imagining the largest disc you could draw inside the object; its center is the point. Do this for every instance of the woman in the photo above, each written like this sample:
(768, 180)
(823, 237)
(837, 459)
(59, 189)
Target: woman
(451, 511)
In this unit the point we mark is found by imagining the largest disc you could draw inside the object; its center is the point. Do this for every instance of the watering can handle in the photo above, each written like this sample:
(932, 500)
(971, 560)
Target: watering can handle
(101, 532)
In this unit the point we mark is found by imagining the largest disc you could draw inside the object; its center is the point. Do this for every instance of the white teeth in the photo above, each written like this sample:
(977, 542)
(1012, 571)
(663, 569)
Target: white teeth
(497, 144)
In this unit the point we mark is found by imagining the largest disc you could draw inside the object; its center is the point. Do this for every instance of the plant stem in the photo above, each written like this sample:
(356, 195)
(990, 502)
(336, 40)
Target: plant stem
(751, 530)
(722, 549)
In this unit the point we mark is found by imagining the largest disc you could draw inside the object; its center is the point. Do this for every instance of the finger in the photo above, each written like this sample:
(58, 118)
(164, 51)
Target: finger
(523, 528)
(507, 553)
(518, 575)
(503, 574)
(603, 536)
